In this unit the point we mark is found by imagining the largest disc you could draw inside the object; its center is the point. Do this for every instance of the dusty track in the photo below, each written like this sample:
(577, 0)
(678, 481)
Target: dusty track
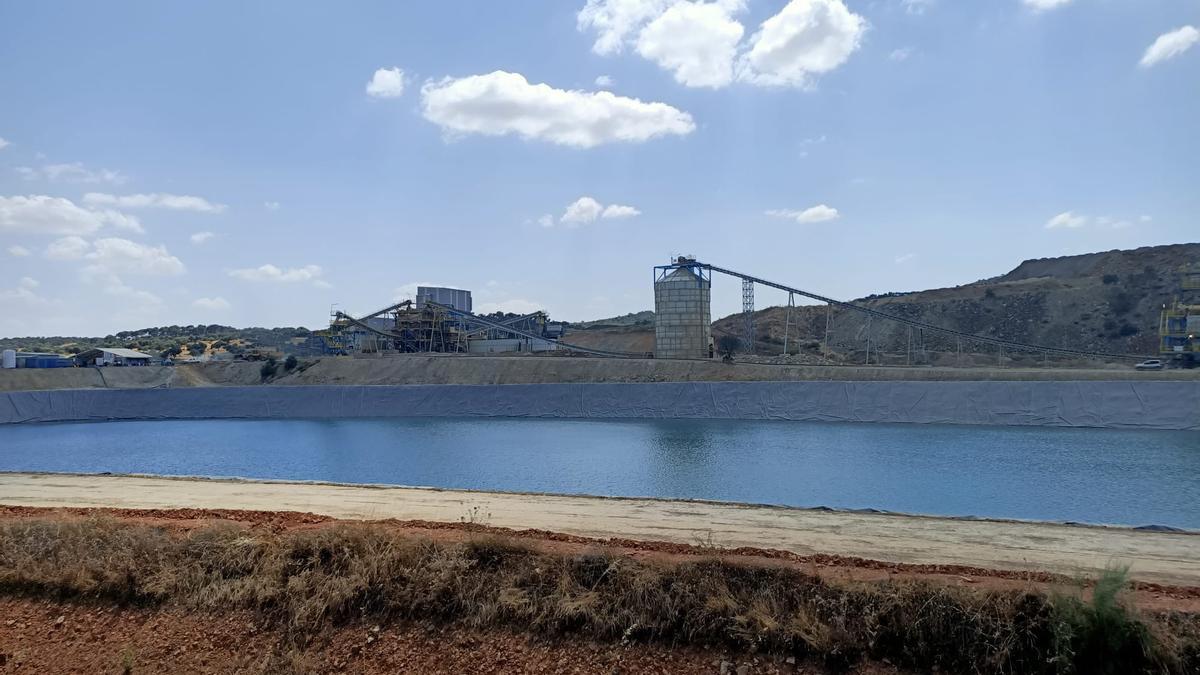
(1154, 557)
(445, 369)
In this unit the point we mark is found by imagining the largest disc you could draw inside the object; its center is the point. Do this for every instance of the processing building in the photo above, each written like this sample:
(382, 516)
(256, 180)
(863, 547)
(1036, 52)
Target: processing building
(451, 297)
(1179, 324)
(682, 310)
(439, 320)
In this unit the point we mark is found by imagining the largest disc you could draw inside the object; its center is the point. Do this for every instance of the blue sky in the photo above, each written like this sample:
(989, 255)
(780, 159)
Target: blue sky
(230, 162)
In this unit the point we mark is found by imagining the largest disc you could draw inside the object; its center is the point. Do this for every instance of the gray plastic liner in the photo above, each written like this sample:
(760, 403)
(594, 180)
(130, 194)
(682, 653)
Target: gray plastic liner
(1134, 405)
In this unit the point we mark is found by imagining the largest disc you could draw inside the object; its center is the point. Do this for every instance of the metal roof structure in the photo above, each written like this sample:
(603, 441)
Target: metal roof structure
(119, 351)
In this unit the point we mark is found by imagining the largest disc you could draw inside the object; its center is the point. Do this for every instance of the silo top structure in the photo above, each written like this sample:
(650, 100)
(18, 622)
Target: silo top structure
(452, 297)
(682, 310)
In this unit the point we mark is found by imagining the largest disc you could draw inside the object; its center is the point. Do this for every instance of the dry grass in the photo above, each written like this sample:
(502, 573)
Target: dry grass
(306, 580)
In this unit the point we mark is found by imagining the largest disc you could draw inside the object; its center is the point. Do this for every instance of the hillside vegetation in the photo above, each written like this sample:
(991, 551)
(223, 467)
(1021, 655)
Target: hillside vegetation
(168, 340)
(1106, 302)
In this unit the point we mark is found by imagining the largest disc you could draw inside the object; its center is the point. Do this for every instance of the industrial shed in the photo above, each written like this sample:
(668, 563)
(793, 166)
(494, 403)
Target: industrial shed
(112, 356)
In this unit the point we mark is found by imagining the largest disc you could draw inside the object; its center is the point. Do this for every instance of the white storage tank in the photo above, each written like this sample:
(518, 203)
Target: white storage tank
(682, 312)
(8, 359)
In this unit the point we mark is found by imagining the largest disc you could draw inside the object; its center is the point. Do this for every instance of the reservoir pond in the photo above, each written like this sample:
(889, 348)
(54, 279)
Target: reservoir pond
(1111, 476)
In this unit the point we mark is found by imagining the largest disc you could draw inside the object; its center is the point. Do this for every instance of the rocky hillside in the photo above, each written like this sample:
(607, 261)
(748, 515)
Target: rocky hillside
(1098, 302)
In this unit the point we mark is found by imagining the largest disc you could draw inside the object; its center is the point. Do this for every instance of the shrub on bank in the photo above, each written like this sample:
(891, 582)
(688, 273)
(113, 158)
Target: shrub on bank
(306, 580)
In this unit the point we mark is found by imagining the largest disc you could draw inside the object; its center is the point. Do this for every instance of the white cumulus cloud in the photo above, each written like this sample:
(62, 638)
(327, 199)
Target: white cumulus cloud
(813, 214)
(694, 40)
(616, 20)
(25, 292)
(271, 273)
(604, 81)
(155, 200)
(582, 210)
(701, 43)
(121, 221)
(41, 214)
(1067, 219)
(68, 248)
(386, 83)
(619, 211)
(213, 304)
(112, 284)
(1170, 45)
(122, 256)
(1044, 5)
(201, 237)
(587, 210)
(546, 220)
(805, 39)
(502, 103)
(18, 251)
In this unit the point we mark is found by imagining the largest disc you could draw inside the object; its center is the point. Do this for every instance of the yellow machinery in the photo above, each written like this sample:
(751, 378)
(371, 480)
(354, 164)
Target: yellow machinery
(1179, 325)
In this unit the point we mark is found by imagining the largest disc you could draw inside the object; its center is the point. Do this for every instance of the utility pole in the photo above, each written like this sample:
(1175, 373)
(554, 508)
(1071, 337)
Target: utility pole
(788, 322)
(828, 318)
(869, 317)
(908, 352)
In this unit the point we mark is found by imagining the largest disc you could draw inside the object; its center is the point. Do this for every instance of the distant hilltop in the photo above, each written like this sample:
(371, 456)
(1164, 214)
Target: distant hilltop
(189, 341)
(1107, 301)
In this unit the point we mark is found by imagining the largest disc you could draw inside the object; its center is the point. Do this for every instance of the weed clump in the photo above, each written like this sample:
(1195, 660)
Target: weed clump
(307, 580)
(1103, 636)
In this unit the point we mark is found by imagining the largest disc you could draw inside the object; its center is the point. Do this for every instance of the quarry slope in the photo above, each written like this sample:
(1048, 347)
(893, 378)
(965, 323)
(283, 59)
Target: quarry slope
(1106, 302)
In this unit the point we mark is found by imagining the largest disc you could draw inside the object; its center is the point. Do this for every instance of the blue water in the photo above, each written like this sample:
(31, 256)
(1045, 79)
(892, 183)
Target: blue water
(1085, 475)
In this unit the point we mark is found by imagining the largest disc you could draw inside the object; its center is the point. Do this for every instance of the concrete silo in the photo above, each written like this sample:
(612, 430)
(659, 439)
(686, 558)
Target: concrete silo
(682, 311)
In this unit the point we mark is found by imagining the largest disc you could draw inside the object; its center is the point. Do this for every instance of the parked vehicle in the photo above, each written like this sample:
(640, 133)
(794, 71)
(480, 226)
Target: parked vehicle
(1150, 364)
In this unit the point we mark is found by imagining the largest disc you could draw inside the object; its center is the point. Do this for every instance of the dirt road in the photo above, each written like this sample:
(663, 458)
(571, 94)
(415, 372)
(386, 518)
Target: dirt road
(1157, 557)
(460, 369)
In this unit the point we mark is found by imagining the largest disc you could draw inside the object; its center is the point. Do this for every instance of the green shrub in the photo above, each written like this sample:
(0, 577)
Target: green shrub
(1103, 636)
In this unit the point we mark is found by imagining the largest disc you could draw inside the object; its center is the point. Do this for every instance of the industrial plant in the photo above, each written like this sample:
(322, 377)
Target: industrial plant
(438, 321)
(1179, 326)
(442, 320)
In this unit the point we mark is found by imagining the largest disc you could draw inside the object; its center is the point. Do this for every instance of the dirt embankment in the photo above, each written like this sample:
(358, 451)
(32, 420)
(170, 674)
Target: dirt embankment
(45, 637)
(1168, 558)
(219, 591)
(447, 369)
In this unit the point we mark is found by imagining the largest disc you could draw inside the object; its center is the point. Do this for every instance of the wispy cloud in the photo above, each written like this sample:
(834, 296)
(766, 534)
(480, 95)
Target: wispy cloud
(157, 200)
(74, 172)
(813, 214)
(1170, 45)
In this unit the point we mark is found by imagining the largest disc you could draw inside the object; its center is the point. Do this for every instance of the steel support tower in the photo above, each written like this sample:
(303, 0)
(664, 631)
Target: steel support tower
(748, 313)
